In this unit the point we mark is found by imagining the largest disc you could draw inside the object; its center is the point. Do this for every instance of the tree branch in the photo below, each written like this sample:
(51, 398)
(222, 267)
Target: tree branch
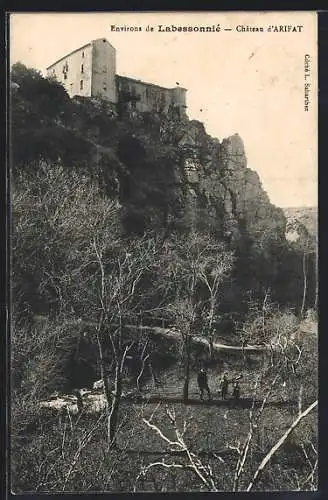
(279, 443)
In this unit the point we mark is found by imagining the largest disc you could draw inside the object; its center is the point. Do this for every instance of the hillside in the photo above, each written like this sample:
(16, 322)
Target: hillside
(147, 160)
(166, 173)
(142, 251)
(154, 459)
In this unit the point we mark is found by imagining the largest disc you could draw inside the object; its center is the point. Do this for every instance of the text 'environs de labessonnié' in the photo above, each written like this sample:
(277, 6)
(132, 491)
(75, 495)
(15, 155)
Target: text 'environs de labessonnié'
(213, 28)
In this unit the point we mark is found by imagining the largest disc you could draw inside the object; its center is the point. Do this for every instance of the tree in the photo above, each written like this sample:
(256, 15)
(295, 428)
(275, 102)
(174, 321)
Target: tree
(291, 437)
(120, 285)
(83, 267)
(206, 476)
(195, 267)
(41, 122)
(215, 269)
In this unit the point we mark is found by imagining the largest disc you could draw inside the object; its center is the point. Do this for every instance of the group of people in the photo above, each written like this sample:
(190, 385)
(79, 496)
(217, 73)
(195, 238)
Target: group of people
(202, 381)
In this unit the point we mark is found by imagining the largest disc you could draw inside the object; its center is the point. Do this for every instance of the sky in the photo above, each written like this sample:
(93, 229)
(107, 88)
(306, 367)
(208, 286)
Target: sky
(246, 82)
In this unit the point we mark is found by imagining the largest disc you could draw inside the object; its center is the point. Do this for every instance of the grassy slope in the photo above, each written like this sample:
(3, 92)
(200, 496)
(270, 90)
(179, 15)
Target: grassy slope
(212, 427)
(214, 414)
(216, 425)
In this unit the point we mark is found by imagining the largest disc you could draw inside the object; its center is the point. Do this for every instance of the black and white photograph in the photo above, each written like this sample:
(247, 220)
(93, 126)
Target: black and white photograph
(163, 252)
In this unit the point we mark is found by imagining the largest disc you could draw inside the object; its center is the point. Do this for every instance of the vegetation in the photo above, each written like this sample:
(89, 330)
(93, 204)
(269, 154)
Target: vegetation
(102, 249)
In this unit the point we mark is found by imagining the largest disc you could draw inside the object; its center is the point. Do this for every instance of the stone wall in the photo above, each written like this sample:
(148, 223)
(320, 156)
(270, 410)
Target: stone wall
(145, 97)
(91, 71)
(74, 69)
(103, 70)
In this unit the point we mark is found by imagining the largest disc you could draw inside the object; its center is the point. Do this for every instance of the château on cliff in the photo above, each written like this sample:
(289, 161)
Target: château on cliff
(90, 71)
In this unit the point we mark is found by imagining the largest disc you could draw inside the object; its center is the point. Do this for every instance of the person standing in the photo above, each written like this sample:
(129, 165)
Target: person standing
(224, 384)
(236, 391)
(203, 384)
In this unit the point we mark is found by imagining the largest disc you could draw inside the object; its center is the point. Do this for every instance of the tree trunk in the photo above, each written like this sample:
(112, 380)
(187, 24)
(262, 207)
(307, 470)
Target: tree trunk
(143, 359)
(210, 328)
(153, 378)
(186, 368)
(211, 347)
(304, 283)
(113, 416)
(316, 283)
(141, 372)
(103, 369)
(278, 444)
(300, 399)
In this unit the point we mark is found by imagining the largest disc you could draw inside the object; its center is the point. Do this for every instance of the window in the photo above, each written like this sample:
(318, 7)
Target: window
(81, 85)
(65, 70)
(83, 55)
(82, 68)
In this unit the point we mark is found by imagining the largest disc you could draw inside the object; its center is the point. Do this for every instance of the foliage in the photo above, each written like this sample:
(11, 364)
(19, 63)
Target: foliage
(40, 111)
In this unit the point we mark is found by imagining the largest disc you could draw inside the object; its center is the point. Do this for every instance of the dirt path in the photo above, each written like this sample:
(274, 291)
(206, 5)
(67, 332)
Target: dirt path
(174, 335)
(171, 333)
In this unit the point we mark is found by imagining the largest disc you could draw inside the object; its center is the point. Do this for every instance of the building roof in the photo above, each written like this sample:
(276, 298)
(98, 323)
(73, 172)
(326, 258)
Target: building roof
(77, 50)
(149, 84)
(118, 76)
(69, 54)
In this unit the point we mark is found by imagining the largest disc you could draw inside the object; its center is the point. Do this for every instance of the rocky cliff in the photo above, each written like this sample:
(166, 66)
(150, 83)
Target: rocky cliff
(192, 176)
(164, 168)
(167, 173)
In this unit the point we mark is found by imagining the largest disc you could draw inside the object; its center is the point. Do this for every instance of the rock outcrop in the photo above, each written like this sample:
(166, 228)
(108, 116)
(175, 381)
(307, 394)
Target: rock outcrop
(301, 224)
(207, 179)
(165, 171)
(161, 166)
(88, 402)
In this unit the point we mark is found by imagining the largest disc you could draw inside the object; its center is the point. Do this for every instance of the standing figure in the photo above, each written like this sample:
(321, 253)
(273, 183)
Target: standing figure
(224, 386)
(236, 391)
(203, 384)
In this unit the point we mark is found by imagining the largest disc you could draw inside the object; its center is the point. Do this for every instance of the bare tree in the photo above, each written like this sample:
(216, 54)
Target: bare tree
(192, 462)
(144, 356)
(243, 450)
(214, 270)
(196, 268)
(121, 297)
(88, 268)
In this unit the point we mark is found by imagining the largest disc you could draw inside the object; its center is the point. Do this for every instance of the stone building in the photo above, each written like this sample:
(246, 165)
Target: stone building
(90, 71)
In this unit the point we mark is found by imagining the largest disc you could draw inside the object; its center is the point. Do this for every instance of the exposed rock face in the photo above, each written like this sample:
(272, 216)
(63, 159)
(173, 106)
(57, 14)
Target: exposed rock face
(159, 164)
(165, 171)
(219, 182)
(178, 177)
(301, 224)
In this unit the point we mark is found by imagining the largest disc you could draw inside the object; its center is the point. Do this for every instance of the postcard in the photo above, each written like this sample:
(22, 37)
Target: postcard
(164, 275)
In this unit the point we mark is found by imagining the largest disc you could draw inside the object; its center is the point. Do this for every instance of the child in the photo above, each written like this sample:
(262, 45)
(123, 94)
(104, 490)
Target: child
(224, 384)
